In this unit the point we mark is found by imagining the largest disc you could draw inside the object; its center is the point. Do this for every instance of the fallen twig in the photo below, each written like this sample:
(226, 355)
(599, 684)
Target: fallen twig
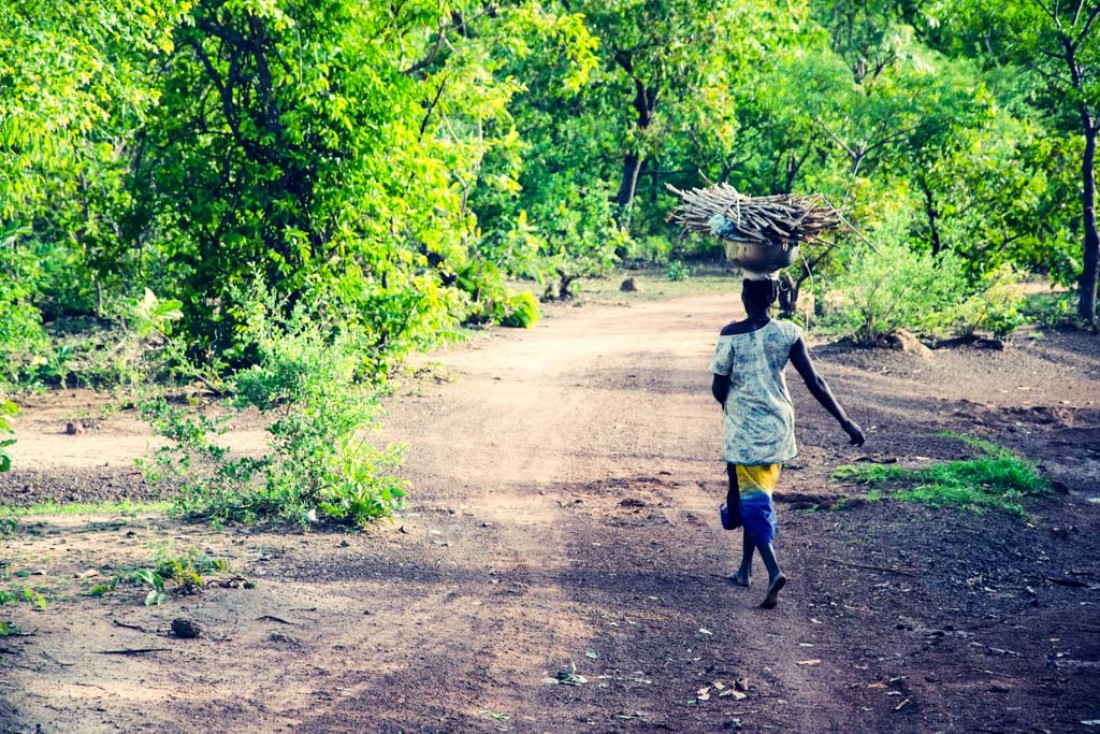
(1066, 582)
(51, 658)
(134, 650)
(137, 627)
(885, 569)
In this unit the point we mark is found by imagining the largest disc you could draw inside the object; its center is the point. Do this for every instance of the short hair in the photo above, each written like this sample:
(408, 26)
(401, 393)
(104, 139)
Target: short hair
(760, 293)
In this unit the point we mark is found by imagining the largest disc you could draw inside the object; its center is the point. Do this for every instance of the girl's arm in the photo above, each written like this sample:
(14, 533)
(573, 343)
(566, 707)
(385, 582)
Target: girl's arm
(800, 358)
(720, 388)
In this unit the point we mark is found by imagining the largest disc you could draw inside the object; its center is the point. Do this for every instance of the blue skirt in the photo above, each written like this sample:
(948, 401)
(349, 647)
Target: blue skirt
(758, 517)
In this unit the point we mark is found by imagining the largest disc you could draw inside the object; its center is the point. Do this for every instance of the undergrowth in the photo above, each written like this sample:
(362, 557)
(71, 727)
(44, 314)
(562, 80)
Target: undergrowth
(180, 574)
(996, 479)
(318, 467)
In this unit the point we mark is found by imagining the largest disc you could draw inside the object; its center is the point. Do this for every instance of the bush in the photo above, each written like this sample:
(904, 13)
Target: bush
(319, 466)
(895, 288)
(1052, 310)
(579, 238)
(521, 310)
(23, 342)
(995, 306)
(676, 271)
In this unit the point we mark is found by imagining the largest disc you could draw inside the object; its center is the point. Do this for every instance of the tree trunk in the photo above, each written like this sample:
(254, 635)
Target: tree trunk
(1086, 286)
(645, 101)
(1091, 260)
(632, 166)
(933, 219)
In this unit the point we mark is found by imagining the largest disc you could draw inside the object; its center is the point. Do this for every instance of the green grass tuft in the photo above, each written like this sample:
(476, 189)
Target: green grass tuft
(996, 479)
(124, 508)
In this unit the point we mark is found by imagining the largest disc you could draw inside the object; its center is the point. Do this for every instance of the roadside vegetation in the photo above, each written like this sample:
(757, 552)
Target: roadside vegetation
(994, 479)
(218, 206)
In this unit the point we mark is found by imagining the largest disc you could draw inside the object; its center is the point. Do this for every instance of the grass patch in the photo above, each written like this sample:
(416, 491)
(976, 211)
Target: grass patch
(997, 479)
(128, 509)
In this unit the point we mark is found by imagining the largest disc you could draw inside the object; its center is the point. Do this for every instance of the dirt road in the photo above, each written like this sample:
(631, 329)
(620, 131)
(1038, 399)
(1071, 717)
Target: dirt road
(559, 566)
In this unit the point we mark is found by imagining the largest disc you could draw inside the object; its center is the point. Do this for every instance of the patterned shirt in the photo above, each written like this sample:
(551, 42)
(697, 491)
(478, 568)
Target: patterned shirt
(758, 427)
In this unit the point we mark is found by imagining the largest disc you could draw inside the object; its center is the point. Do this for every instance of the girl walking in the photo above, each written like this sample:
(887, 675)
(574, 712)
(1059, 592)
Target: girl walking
(758, 427)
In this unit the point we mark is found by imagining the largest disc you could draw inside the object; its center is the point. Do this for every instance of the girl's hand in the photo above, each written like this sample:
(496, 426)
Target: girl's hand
(855, 433)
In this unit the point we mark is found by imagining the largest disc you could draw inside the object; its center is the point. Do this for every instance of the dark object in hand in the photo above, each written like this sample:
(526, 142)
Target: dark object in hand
(730, 520)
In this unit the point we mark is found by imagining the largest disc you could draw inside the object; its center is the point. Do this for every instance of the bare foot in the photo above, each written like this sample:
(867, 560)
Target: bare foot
(740, 580)
(773, 592)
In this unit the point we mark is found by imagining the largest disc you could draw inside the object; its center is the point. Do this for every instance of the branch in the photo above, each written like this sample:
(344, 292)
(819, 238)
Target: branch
(428, 114)
(228, 106)
(1088, 23)
(424, 62)
(1053, 14)
(841, 143)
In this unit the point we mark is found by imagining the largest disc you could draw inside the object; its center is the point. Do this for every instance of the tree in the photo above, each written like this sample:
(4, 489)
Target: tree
(1055, 48)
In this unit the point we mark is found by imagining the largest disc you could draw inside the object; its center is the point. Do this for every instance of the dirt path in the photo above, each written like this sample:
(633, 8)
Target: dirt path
(564, 525)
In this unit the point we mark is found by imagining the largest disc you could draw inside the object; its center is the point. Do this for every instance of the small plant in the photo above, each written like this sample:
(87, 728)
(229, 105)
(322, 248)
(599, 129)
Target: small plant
(169, 574)
(894, 288)
(29, 595)
(1052, 310)
(9, 629)
(521, 310)
(997, 479)
(677, 270)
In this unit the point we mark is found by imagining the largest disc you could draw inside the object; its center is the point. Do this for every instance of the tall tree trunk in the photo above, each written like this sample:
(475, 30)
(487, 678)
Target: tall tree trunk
(645, 101)
(933, 219)
(1086, 286)
(632, 167)
(1091, 260)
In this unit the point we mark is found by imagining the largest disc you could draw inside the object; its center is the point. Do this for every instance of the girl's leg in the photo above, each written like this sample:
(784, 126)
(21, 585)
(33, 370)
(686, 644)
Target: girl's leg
(733, 495)
(776, 579)
(743, 575)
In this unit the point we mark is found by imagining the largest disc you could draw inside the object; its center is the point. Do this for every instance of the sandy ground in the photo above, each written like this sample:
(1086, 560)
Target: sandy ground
(563, 526)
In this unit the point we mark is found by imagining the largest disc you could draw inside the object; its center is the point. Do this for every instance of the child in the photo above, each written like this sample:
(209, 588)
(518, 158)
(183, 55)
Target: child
(758, 428)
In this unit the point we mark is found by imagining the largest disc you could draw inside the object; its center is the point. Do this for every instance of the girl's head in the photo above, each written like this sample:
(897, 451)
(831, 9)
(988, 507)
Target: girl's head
(759, 295)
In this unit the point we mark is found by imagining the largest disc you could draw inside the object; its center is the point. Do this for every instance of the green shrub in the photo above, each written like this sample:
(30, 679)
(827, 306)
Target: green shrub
(1052, 310)
(521, 310)
(879, 293)
(676, 270)
(318, 465)
(995, 306)
(23, 342)
(170, 573)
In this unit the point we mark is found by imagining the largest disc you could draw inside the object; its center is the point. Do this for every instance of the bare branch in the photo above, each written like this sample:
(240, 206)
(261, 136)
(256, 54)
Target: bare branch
(851, 154)
(1088, 24)
(1051, 13)
(428, 113)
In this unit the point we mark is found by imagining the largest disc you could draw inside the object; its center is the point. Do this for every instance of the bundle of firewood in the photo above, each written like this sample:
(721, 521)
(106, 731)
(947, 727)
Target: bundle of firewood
(776, 221)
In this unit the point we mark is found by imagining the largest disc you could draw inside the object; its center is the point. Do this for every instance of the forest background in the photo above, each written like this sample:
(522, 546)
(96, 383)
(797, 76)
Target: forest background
(279, 200)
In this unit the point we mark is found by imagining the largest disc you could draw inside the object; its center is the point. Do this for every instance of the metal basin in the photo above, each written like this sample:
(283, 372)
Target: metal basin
(760, 258)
